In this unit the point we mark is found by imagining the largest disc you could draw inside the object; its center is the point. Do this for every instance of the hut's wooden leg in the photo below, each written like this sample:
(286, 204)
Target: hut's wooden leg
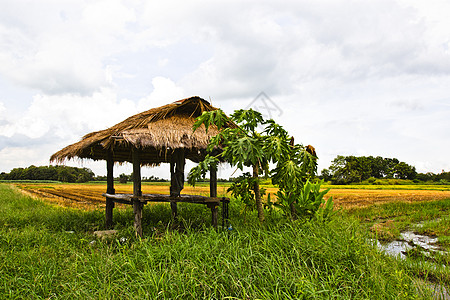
(177, 162)
(213, 181)
(173, 206)
(137, 209)
(109, 212)
(109, 189)
(225, 212)
(137, 192)
(174, 190)
(213, 207)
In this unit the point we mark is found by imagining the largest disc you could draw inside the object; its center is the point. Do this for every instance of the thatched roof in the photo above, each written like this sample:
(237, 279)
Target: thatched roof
(157, 132)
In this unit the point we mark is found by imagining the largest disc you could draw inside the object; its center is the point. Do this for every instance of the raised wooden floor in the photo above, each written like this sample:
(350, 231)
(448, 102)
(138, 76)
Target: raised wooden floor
(211, 202)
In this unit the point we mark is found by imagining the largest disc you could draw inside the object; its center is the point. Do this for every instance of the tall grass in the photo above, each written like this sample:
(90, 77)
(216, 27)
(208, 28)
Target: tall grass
(430, 218)
(40, 257)
(406, 214)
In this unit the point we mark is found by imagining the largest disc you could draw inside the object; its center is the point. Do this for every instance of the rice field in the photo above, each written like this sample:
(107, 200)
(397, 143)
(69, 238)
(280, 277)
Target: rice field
(89, 195)
(51, 252)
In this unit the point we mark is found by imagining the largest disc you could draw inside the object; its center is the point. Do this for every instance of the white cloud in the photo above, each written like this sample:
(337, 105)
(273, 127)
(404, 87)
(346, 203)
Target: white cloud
(164, 91)
(66, 47)
(60, 66)
(15, 157)
(52, 122)
(352, 77)
(107, 16)
(68, 116)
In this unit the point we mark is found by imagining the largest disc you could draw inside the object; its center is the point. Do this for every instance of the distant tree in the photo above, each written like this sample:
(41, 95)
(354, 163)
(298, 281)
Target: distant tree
(325, 174)
(16, 174)
(123, 178)
(443, 176)
(404, 171)
(100, 178)
(426, 176)
(61, 173)
(377, 166)
(348, 169)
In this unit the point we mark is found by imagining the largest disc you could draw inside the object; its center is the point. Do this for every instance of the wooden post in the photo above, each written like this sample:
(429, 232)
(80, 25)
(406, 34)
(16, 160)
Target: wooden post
(137, 192)
(177, 162)
(213, 181)
(137, 210)
(109, 189)
(225, 216)
(136, 173)
(213, 207)
(174, 207)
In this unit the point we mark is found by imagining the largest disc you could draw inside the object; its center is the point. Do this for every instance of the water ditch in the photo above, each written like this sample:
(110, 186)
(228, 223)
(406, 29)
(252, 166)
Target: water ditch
(409, 243)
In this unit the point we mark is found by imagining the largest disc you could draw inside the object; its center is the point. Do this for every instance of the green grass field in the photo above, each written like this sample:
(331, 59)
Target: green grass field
(50, 252)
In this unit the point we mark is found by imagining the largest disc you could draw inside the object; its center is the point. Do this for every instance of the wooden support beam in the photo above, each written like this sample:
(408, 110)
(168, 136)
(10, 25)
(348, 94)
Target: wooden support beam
(126, 198)
(137, 210)
(225, 216)
(110, 173)
(109, 189)
(136, 173)
(139, 202)
(213, 181)
(177, 162)
(174, 207)
(137, 192)
(109, 212)
(213, 208)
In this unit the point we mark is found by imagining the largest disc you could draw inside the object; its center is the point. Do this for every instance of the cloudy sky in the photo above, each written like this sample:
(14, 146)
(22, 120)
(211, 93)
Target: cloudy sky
(349, 77)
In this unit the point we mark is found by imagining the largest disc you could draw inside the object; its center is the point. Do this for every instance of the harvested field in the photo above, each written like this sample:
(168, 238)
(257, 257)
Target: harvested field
(89, 196)
(351, 197)
(347, 198)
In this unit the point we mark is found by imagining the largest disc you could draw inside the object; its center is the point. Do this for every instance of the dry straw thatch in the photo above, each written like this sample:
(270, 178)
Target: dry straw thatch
(156, 132)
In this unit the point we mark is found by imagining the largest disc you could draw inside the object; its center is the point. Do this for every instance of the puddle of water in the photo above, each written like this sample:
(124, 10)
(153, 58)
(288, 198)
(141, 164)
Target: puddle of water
(423, 241)
(395, 248)
(398, 248)
(409, 240)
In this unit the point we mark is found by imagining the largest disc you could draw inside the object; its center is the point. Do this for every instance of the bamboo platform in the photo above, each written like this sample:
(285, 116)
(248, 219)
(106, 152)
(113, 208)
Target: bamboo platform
(211, 202)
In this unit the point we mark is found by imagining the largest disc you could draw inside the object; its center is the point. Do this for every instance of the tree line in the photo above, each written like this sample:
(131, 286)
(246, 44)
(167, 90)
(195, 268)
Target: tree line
(349, 169)
(343, 170)
(354, 169)
(56, 173)
(443, 178)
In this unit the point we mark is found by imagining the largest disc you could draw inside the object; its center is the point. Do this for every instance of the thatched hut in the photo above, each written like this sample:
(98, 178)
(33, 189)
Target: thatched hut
(159, 135)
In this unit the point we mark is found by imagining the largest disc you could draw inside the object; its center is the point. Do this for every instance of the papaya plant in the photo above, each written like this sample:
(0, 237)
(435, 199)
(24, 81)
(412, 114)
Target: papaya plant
(241, 189)
(243, 145)
(307, 201)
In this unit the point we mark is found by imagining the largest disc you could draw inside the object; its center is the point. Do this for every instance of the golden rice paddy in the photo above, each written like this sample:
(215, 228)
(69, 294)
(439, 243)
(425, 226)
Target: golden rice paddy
(89, 196)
